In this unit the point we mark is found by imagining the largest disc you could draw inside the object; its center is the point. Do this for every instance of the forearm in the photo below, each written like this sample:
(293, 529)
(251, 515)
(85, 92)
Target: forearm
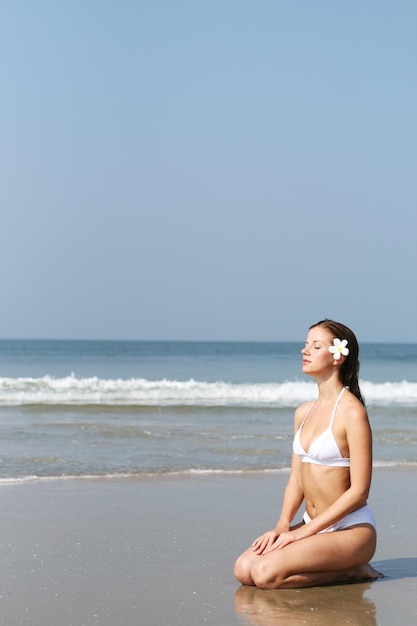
(349, 501)
(345, 504)
(293, 497)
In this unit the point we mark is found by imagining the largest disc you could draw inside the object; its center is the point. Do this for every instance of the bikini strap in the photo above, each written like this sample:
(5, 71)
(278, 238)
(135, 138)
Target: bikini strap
(335, 406)
(308, 411)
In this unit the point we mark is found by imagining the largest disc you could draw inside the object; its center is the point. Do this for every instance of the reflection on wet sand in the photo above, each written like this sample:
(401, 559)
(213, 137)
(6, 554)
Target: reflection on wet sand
(324, 606)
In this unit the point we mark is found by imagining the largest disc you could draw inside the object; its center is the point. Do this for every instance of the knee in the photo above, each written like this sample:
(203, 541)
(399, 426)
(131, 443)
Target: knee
(266, 578)
(242, 570)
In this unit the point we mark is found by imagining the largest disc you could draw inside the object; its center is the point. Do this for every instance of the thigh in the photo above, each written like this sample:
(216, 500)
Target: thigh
(332, 551)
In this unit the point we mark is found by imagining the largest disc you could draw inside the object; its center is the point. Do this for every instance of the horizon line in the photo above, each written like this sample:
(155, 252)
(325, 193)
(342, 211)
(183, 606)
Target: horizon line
(130, 340)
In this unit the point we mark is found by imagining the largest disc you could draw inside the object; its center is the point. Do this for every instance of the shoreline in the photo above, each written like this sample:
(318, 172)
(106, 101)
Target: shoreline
(160, 550)
(185, 474)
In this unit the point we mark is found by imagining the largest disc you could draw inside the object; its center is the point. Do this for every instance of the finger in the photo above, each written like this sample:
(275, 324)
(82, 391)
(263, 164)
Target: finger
(284, 542)
(263, 539)
(258, 539)
(259, 547)
(264, 544)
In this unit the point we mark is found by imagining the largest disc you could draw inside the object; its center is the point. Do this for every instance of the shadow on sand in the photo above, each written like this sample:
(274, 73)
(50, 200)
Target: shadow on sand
(396, 569)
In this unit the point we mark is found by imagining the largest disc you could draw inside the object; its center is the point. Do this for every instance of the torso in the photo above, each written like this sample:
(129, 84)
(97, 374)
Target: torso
(322, 443)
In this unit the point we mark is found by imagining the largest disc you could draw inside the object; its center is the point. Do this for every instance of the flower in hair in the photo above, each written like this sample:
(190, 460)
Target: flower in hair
(339, 348)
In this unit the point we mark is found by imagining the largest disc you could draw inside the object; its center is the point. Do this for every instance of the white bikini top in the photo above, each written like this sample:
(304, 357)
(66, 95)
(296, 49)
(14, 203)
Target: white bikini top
(323, 450)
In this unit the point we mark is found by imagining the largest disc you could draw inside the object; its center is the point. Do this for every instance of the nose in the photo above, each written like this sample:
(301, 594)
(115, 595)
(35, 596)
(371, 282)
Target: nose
(304, 350)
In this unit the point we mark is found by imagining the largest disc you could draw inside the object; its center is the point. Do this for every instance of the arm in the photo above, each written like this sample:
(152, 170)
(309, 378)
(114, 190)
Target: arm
(293, 497)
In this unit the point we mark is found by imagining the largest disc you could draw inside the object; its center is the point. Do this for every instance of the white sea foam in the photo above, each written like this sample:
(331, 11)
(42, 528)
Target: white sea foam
(13, 480)
(141, 392)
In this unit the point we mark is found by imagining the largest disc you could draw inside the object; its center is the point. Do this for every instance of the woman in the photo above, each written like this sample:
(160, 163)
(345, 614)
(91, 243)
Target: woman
(331, 471)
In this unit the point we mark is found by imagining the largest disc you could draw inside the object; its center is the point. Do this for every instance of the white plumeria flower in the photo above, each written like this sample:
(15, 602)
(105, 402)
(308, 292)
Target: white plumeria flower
(339, 348)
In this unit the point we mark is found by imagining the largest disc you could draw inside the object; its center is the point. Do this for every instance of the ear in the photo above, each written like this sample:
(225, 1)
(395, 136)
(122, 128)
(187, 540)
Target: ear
(339, 362)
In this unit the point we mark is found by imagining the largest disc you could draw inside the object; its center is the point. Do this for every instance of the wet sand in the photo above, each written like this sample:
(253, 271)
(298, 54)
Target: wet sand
(160, 551)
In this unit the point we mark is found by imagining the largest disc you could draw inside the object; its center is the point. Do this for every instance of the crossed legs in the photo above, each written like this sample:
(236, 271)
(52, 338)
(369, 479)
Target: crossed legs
(322, 559)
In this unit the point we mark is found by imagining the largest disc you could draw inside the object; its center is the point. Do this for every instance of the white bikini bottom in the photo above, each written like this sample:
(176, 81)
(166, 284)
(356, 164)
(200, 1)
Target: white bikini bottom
(361, 516)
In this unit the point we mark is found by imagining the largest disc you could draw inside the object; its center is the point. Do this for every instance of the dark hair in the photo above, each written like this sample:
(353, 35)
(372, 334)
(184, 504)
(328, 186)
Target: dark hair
(349, 371)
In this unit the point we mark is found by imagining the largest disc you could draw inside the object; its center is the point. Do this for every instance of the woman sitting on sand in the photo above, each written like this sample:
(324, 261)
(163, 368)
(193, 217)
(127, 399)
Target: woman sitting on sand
(331, 471)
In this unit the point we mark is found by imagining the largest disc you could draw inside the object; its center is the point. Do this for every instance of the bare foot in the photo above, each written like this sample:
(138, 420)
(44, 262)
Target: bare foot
(367, 572)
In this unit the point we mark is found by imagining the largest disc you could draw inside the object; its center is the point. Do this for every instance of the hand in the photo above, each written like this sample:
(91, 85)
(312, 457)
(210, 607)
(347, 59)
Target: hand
(284, 539)
(265, 541)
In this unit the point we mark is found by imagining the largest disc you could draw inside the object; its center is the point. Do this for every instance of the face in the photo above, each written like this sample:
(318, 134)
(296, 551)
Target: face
(316, 355)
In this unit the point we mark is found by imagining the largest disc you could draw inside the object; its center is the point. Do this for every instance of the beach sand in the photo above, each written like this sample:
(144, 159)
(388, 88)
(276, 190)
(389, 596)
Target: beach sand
(160, 551)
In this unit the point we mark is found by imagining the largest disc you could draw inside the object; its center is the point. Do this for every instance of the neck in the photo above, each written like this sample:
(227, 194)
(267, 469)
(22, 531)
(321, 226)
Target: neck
(329, 388)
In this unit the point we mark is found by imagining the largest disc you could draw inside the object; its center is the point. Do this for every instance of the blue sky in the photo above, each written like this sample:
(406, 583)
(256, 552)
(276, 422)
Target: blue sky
(231, 169)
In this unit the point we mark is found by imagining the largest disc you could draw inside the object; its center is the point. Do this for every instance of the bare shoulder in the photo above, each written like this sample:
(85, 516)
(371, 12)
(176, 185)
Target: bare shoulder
(300, 413)
(353, 410)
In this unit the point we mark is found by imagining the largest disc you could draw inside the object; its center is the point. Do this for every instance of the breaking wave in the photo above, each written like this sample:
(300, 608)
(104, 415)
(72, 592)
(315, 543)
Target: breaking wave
(71, 390)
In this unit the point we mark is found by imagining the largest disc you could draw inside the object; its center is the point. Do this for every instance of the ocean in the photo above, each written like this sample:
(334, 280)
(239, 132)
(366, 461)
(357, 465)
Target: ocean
(126, 408)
